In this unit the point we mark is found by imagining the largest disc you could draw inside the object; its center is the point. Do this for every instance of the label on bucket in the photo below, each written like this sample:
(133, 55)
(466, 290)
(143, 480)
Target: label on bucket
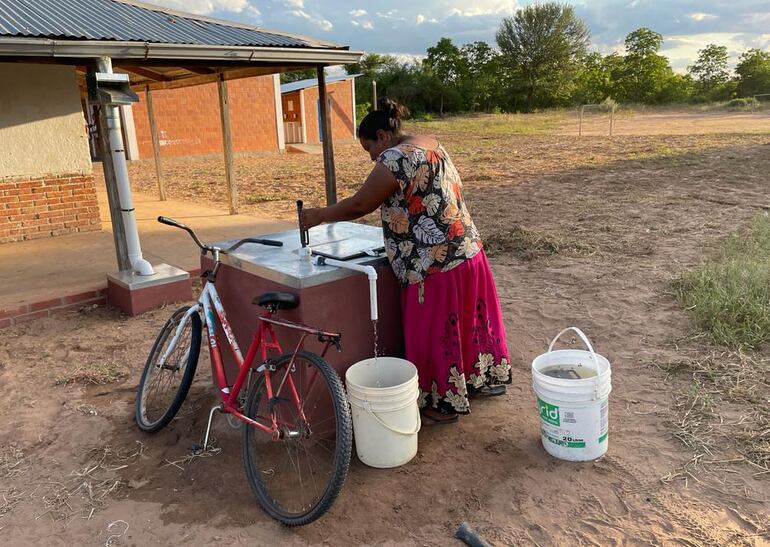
(573, 427)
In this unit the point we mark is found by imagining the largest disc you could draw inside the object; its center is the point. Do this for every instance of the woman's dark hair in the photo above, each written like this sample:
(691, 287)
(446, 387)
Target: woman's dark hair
(387, 117)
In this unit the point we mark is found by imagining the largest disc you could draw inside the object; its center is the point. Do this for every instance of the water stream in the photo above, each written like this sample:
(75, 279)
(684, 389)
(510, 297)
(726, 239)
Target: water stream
(376, 351)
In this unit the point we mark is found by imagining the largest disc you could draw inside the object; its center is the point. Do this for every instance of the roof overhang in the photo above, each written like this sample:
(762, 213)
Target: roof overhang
(166, 66)
(41, 47)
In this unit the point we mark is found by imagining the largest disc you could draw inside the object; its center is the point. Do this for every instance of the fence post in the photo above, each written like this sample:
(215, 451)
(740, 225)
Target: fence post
(580, 127)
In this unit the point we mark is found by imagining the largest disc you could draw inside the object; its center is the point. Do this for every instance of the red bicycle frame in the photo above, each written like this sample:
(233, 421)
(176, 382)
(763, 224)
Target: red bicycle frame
(263, 341)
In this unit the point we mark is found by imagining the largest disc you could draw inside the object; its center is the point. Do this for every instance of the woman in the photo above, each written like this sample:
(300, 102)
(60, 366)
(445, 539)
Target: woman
(453, 328)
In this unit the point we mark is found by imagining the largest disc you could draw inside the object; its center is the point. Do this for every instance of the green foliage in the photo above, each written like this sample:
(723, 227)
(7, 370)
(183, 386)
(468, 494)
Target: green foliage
(542, 45)
(744, 103)
(297, 75)
(542, 61)
(362, 109)
(753, 73)
(730, 297)
(710, 72)
(645, 76)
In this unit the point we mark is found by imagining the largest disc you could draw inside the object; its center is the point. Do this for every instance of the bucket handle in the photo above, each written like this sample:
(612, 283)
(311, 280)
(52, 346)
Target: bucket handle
(368, 408)
(583, 337)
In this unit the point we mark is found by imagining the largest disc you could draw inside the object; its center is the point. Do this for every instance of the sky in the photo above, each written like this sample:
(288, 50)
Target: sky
(407, 28)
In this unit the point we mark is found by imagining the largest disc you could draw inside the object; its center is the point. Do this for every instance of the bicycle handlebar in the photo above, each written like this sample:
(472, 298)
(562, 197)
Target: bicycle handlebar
(206, 248)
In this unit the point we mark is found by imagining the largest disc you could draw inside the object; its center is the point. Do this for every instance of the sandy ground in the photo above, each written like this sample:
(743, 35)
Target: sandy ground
(632, 212)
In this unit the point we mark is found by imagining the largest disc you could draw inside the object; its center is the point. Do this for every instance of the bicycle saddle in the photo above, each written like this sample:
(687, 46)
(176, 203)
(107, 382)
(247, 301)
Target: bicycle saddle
(278, 300)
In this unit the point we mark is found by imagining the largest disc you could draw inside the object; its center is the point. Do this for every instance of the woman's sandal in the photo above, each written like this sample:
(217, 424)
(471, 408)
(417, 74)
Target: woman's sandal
(489, 391)
(432, 416)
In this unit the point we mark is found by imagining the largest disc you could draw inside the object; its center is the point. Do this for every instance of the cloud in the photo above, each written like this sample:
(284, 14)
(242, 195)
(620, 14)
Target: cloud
(420, 19)
(367, 25)
(325, 24)
(295, 3)
(358, 12)
(493, 7)
(205, 7)
(702, 16)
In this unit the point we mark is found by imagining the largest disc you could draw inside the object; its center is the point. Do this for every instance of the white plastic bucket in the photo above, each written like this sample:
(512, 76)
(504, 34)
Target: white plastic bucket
(574, 413)
(383, 395)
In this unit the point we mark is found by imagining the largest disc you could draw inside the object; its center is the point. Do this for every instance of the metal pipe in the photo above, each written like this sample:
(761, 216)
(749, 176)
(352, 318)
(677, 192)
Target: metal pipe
(368, 270)
(118, 153)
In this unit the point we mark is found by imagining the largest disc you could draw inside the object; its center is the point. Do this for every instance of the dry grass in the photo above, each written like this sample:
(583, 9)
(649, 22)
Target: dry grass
(529, 244)
(724, 413)
(87, 489)
(93, 374)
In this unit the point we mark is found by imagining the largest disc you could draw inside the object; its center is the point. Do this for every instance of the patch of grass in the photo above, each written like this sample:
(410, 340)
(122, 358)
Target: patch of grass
(725, 406)
(88, 488)
(528, 244)
(491, 125)
(746, 103)
(729, 298)
(266, 197)
(92, 374)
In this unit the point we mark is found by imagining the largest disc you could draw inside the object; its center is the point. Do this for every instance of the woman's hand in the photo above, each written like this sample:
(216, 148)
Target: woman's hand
(312, 217)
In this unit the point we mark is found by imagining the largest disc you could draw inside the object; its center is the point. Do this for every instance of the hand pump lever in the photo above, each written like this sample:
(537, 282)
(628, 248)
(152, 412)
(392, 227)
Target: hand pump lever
(304, 235)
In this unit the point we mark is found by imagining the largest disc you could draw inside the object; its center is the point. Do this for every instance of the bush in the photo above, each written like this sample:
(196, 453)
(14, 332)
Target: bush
(362, 109)
(745, 103)
(730, 297)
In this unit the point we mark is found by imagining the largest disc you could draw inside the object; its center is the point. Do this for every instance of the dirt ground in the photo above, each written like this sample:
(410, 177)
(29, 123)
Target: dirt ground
(624, 215)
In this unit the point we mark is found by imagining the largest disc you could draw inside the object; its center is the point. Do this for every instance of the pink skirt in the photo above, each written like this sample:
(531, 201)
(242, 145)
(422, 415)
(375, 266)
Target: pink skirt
(455, 336)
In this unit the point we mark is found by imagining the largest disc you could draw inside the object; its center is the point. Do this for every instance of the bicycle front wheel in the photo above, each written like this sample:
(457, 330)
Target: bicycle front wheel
(164, 386)
(297, 477)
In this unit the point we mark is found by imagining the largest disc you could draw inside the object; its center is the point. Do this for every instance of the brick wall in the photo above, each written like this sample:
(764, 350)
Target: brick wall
(189, 123)
(341, 95)
(50, 206)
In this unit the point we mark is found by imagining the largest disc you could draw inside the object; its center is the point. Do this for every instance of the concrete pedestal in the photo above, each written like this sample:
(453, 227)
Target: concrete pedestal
(135, 294)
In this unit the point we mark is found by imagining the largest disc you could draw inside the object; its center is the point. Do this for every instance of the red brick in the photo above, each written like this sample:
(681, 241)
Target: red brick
(11, 312)
(82, 297)
(29, 317)
(45, 305)
(102, 300)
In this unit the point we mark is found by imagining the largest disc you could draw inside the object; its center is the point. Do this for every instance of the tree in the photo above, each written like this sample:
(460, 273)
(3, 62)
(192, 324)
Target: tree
(645, 74)
(296, 75)
(595, 81)
(370, 67)
(710, 73)
(479, 82)
(753, 73)
(543, 44)
(445, 61)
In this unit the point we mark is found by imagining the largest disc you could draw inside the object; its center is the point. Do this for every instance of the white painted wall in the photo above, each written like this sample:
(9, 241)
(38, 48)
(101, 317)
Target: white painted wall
(279, 112)
(42, 127)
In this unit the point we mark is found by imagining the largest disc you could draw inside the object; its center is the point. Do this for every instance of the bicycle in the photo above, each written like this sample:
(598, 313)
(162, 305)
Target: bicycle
(301, 428)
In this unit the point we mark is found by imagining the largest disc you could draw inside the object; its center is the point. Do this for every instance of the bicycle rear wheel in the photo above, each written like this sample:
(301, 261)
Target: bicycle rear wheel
(297, 477)
(162, 389)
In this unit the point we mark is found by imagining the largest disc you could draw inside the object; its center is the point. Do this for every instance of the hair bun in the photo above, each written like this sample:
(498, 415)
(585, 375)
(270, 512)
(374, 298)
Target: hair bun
(391, 108)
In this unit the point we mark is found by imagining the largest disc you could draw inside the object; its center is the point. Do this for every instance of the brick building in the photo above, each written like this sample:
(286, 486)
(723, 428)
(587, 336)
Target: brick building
(48, 134)
(301, 109)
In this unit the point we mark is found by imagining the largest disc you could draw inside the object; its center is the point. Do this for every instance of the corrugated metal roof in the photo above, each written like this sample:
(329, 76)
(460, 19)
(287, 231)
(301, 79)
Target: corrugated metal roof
(312, 82)
(126, 20)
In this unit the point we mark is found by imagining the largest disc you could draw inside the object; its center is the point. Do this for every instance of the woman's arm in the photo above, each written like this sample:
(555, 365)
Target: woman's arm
(379, 186)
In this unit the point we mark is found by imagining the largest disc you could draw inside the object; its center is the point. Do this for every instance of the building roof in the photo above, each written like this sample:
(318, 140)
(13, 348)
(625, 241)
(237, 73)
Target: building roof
(131, 21)
(312, 82)
(160, 48)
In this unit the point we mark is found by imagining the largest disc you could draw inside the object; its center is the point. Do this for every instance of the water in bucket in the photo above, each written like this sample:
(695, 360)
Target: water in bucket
(569, 372)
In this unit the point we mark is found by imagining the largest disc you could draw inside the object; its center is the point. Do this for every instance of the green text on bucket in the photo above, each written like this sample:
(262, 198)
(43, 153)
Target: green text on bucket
(549, 413)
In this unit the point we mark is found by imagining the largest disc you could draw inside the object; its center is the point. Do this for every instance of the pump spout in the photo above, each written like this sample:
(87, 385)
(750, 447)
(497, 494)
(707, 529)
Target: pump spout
(370, 272)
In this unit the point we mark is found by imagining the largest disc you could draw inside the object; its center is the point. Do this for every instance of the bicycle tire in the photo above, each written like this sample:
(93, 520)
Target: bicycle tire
(166, 333)
(342, 452)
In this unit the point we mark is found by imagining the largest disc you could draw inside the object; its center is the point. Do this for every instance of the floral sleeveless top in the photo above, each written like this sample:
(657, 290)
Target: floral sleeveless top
(426, 225)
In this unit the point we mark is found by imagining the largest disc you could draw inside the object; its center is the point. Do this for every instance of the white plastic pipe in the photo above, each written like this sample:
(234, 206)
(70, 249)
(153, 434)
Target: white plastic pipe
(118, 153)
(368, 270)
